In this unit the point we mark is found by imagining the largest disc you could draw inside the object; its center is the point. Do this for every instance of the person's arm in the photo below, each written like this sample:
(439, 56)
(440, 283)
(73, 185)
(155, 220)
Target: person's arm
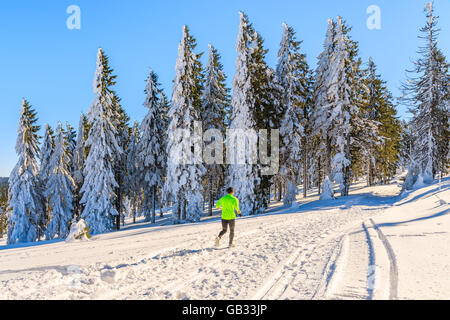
(218, 204)
(237, 208)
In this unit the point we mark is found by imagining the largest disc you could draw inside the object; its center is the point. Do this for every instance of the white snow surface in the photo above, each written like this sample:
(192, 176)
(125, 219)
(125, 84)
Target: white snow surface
(374, 244)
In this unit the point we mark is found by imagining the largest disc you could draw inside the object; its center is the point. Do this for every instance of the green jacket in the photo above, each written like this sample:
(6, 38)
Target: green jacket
(229, 204)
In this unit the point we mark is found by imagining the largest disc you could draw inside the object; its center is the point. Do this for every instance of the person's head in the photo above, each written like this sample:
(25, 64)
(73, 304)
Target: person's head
(230, 190)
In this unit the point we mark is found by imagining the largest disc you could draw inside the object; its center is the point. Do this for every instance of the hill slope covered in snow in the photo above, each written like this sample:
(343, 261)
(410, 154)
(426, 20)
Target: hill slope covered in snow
(374, 244)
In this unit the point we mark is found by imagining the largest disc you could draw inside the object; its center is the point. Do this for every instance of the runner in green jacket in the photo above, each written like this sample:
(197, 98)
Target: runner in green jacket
(229, 205)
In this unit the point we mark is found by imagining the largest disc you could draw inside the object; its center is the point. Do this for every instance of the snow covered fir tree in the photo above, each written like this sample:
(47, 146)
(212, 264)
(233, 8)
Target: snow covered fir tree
(59, 187)
(25, 196)
(215, 112)
(292, 72)
(427, 92)
(100, 183)
(151, 148)
(185, 169)
(244, 174)
(337, 120)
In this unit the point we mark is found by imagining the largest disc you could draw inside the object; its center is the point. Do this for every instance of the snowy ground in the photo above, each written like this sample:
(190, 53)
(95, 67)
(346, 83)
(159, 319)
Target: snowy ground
(371, 245)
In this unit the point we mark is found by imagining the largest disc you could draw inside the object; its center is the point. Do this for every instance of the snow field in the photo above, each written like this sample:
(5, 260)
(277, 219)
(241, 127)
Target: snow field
(371, 245)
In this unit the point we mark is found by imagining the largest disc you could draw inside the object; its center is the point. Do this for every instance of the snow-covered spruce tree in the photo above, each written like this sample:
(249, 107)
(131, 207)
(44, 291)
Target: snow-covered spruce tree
(183, 184)
(426, 91)
(321, 110)
(266, 95)
(121, 120)
(99, 181)
(79, 159)
(133, 183)
(342, 101)
(244, 177)
(215, 101)
(374, 98)
(59, 189)
(292, 72)
(338, 93)
(24, 198)
(46, 152)
(165, 106)
(364, 133)
(382, 157)
(151, 151)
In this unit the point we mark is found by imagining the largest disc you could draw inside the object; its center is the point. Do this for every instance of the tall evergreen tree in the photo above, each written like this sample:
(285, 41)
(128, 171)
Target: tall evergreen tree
(79, 160)
(266, 95)
(133, 172)
(121, 120)
(291, 73)
(383, 156)
(46, 152)
(99, 197)
(184, 176)
(337, 94)
(215, 102)
(60, 187)
(342, 101)
(151, 156)
(427, 93)
(364, 135)
(321, 110)
(24, 188)
(244, 177)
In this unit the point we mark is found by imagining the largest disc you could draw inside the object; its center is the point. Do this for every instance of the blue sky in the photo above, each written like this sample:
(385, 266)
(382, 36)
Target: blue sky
(53, 67)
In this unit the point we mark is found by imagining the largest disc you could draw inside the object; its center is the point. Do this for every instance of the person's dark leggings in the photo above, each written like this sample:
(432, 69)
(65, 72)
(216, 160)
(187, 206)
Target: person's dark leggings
(225, 224)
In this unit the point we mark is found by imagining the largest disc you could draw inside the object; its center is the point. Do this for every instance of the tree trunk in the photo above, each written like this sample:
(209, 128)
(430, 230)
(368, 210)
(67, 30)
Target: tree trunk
(319, 175)
(203, 203)
(184, 209)
(118, 222)
(210, 204)
(280, 186)
(328, 162)
(154, 205)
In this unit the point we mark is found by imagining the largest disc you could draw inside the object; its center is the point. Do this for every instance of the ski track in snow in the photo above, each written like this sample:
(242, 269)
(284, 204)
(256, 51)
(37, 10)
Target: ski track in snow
(392, 261)
(322, 250)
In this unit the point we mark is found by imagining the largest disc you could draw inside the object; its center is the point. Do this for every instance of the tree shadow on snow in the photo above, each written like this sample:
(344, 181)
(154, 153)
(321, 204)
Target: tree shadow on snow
(395, 224)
